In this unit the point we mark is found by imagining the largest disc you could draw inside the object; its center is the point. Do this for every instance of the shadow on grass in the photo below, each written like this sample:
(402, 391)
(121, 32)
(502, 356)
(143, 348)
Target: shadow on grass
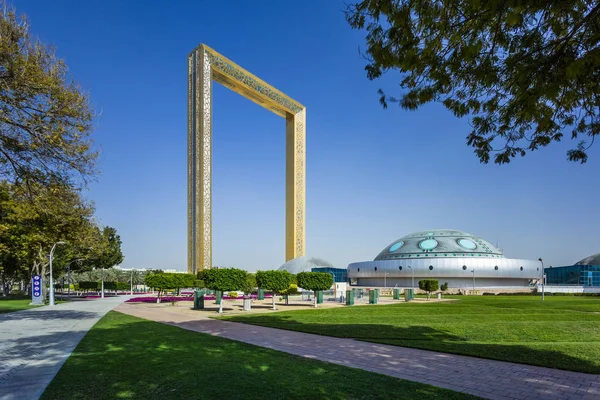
(127, 357)
(427, 338)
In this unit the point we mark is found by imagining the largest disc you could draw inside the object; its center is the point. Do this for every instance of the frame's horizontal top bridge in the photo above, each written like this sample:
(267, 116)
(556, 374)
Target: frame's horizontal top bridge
(236, 78)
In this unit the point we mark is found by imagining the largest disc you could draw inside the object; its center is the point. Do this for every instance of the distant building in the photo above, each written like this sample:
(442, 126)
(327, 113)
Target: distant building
(306, 264)
(173, 271)
(339, 274)
(585, 273)
(458, 258)
(313, 264)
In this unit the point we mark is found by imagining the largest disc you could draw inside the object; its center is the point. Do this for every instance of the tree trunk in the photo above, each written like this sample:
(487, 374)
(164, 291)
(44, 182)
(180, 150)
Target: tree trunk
(428, 294)
(221, 306)
(273, 299)
(315, 293)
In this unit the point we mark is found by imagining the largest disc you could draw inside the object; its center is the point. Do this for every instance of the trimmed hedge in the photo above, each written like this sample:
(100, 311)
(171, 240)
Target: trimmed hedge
(429, 285)
(223, 279)
(88, 285)
(164, 281)
(275, 280)
(314, 281)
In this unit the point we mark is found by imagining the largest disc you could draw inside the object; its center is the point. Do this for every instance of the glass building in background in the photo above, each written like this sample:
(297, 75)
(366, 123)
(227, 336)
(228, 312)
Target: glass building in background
(585, 273)
(339, 274)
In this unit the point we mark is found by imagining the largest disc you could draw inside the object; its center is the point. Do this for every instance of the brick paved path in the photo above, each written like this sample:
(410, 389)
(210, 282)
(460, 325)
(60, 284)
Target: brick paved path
(486, 378)
(35, 343)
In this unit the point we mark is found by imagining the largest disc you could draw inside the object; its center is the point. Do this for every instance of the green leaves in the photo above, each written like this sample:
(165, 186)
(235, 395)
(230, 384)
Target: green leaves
(428, 285)
(223, 279)
(45, 118)
(523, 72)
(164, 281)
(277, 281)
(314, 280)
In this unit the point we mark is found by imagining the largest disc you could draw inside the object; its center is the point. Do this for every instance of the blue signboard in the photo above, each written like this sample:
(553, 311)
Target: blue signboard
(36, 289)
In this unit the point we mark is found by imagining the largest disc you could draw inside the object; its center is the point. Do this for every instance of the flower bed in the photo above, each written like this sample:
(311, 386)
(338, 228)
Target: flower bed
(153, 299)
(186, 298)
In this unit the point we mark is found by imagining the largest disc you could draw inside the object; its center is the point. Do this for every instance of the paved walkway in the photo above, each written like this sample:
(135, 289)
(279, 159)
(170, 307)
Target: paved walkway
(35, 343)
(485, 378)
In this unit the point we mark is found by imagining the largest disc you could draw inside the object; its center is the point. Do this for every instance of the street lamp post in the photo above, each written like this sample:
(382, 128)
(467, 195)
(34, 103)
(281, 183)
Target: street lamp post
(384, 280)
(51, 281)
(413, 277)
(543, 288)
(473, 271)
(102, 294)
(131, 291)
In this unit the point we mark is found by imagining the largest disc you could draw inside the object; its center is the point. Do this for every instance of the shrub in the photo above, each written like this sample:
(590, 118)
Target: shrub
(249, 283)
(444, 287)
(87, 285)
(292, 289)
(488, 294)
(428, 285)
(233, 295)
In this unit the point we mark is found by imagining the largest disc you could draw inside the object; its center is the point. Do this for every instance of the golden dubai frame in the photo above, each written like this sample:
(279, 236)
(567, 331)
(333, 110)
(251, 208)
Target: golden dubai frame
(205, 66)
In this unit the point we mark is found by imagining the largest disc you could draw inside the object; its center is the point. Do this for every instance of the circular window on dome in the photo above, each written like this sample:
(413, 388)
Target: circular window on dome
(521, 268)
(400, 267)
(431, 267)
(357, 269)
(375, 268)
(428, 244)
(496, 268)
(396, 246)
(464, 267)
(467, 244)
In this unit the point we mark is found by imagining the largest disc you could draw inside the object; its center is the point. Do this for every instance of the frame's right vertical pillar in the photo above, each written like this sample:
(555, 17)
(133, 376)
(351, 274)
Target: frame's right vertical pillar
(295, 185)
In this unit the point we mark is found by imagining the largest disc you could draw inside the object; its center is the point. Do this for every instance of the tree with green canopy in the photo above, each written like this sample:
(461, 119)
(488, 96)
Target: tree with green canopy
(276, 281)
(250, 283)
(428, 285)
(223, 280)
(32, 219)
(524, 72)
(315, 281)
(45, 118)
(164, 281)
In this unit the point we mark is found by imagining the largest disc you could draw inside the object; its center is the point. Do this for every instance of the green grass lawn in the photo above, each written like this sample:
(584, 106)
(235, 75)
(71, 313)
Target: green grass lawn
(11, 304)
(124, 357)
(561, 332)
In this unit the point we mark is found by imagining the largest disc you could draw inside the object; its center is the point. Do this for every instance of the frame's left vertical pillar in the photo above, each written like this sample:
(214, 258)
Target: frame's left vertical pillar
(199, 161)
(191, 182)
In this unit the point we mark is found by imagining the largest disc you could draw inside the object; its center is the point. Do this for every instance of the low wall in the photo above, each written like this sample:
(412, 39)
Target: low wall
(571, 289)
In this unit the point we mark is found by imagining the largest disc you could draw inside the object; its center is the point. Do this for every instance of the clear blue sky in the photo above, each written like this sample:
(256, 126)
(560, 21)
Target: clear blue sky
(373, 175)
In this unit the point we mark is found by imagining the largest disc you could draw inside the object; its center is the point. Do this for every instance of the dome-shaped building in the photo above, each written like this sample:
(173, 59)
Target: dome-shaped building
(447, 255)
(304, 264)
(594, 259)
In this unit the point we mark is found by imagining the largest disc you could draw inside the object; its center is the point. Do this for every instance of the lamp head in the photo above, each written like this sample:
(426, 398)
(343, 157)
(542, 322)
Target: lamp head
(540, 259)
(61, 242)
